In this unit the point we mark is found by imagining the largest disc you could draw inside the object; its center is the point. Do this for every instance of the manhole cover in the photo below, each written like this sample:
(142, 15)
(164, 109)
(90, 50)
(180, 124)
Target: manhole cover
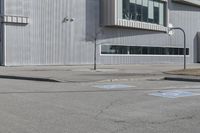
(174, 94)
(113, 86)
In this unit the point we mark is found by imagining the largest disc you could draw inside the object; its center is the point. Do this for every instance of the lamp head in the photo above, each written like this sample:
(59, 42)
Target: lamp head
(170, 31)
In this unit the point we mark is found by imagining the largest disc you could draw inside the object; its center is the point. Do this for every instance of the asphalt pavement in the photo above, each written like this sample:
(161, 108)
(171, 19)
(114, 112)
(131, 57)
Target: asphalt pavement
(113, 99)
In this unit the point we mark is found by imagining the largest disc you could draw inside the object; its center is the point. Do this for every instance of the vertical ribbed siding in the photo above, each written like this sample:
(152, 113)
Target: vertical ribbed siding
(49, 41)
(108, 13)
(1, 34)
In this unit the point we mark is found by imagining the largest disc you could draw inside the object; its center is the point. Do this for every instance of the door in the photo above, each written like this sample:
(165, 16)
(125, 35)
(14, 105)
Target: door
(198, 47)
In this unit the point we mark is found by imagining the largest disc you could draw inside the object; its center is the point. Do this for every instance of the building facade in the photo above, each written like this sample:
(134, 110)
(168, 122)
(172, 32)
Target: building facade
(63, 32)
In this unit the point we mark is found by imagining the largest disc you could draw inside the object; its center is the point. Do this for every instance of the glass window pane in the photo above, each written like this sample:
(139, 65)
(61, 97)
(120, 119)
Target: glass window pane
(171, 51)
(144, 50)
(126, 9)
(145, 3)
(160, 51)
(161, 14)
(133, 1)
(120, 9)
(187, 51)
(135, 50)
(156, 12)
(166, 51)
(156, 4)
(116, 49)
(181, 51)
(139, 2)
(120, 49)
(157, 50)
(151, 50)
(151, 11)
(175, 51)
(138, 10)
(145, 11)
(106, 49)
(132, 11)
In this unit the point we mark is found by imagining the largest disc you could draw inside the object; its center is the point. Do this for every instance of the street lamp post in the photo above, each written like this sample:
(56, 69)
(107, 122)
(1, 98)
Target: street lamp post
(178, 28)
(95, 54)
(95, 39)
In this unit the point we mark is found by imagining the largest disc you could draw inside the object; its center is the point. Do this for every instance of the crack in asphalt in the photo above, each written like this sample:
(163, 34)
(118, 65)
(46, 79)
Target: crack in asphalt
(171, 120)
(126, 125)
(105, 108)
(120, 130)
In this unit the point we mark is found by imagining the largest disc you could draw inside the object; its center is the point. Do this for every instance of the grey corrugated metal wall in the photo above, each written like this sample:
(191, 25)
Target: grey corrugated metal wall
(1, 34)
(47, 40)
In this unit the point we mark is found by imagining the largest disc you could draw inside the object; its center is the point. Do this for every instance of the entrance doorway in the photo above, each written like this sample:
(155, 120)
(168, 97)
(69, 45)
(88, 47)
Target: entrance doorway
(198, 47)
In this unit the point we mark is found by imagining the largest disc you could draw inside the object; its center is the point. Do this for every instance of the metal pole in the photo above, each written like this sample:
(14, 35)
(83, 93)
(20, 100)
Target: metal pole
(95, 48)
(185, 51)
(95, 54)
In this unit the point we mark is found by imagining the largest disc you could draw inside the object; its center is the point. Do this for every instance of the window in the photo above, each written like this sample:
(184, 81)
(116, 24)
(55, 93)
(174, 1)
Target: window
(111, 49)
(132, 10)
(152, 11)
(131, 50)
(139, 10)
(145, 10)
(156, 12)
(161, 13)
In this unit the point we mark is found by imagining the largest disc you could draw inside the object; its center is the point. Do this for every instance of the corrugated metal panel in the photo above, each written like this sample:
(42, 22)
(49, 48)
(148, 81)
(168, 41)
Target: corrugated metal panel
(108, 12)
(1, 34)
(47, 40)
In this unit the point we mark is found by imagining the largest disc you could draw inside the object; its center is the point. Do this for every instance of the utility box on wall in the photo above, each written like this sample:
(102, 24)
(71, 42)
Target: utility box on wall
(15, 19)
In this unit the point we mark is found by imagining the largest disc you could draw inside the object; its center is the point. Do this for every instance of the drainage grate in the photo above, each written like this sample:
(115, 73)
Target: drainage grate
(113, 86)
(174, 94)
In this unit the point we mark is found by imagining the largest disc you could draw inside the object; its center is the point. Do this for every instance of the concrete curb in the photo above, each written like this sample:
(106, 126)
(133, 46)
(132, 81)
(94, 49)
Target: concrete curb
(29, 78)
(188, 79)
(46, 79)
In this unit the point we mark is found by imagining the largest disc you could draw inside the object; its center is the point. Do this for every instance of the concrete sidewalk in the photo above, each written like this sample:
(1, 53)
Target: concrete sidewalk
(85, 73)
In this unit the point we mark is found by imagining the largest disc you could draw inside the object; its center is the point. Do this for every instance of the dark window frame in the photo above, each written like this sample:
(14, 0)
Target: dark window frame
(126, 12)
(142, 50)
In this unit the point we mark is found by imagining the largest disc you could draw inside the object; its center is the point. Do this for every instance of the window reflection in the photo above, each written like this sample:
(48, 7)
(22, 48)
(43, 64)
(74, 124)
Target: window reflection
(151, 11)
(116, 49)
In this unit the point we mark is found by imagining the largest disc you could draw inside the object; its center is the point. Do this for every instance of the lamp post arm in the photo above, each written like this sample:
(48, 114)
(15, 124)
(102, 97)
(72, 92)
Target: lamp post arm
(185, 52)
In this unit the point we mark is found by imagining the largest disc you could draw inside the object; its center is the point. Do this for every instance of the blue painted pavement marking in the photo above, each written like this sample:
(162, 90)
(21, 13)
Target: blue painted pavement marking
(113, 86)
(174, 94)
